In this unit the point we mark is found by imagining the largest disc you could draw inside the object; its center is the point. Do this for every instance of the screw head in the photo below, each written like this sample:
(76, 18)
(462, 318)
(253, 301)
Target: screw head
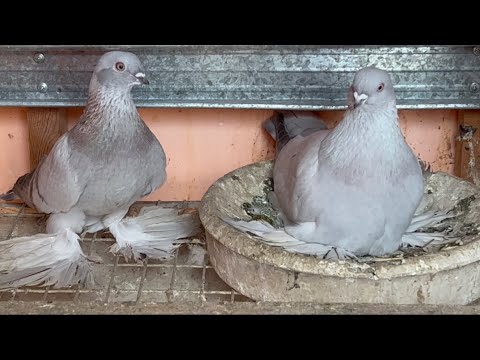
(476, 50)
(39, 58)
(474, 87)
(42, 87)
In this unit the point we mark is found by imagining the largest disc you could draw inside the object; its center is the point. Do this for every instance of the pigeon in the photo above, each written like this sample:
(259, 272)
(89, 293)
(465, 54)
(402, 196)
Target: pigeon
(352, 190)
(87, 183)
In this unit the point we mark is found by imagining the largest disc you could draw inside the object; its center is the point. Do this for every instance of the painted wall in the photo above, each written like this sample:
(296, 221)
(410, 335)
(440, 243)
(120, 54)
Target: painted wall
(204, 144)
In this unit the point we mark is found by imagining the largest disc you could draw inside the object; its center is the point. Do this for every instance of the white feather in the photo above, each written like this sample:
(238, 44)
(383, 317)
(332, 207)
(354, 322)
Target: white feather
(429, 219)
(413, 237)
(421, 239)
(155, 233)
(56, 260)
(278, 237)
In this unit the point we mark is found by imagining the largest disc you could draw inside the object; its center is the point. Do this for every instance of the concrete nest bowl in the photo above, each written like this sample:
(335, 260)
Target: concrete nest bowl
(448, 275)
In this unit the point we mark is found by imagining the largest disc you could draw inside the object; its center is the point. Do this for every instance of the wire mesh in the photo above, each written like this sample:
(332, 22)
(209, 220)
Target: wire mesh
(187, 277)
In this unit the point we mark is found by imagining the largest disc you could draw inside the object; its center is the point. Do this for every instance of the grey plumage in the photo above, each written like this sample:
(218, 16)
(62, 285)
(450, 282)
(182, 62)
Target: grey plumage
(97, 170)
(304, 123)
(285, 125)
(355, 187)
(95, 166)
(358, 186)
(9, 196)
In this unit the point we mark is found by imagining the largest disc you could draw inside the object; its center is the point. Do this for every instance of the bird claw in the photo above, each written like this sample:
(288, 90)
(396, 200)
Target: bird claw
(336, 253)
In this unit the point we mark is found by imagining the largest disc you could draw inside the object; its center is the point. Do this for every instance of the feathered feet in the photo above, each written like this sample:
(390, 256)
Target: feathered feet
(155, 233)
(414, 236)
(278, 237)
(55, 260)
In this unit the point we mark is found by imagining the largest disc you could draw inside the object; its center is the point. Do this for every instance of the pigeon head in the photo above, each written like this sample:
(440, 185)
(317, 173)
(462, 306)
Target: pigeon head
(119, 69)
(371, 86)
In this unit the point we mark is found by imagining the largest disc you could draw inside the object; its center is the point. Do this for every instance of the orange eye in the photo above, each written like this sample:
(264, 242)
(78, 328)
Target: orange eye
(120, 66)
(380, 87)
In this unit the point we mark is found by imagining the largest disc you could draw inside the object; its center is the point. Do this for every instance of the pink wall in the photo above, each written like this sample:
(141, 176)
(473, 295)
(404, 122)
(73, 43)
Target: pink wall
(204, 144)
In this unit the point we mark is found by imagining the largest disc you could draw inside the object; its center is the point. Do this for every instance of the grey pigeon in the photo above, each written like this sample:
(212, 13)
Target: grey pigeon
(88, 181)
(353, 189)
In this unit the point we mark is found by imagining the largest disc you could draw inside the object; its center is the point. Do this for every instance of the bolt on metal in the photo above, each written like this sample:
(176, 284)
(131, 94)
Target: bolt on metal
(42, 87)
(39, 58)
(476, 50)
(474, 87)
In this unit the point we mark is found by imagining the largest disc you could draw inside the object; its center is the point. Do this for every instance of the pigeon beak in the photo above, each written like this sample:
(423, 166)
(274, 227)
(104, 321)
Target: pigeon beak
(359, 99)
(141, 78)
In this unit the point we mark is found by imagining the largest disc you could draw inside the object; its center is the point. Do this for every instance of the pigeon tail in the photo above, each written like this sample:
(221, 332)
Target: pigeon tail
(282, 135)
(9, 196)
(415, 237)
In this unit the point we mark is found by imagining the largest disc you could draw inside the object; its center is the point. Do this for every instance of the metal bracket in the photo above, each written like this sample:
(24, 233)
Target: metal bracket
(259, 77)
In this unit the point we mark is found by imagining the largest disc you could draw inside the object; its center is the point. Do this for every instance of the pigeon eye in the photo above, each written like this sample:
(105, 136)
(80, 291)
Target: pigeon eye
(380, 87)
(120, 66)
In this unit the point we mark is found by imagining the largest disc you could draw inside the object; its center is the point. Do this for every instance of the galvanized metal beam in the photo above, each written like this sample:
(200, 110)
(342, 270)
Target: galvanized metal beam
(263, 77)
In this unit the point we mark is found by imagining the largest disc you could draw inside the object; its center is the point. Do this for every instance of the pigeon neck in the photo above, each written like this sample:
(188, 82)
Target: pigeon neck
(110, 103)
(367, 135)
(371, 121)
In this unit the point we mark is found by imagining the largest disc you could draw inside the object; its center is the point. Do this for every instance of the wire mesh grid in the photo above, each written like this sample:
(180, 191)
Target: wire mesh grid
(186, 284)
(187, 277)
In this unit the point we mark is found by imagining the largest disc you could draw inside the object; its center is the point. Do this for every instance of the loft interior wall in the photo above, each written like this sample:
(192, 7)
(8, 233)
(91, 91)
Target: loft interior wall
(204, 144)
